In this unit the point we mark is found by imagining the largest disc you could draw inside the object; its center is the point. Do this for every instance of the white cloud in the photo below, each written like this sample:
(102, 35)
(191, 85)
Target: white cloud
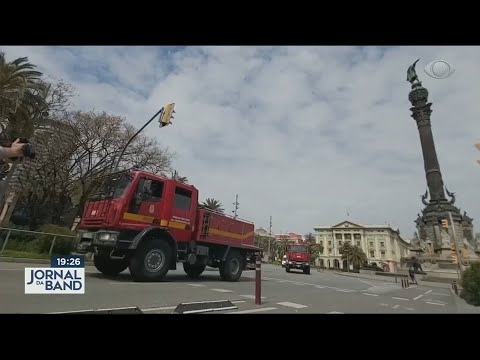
(300, 133)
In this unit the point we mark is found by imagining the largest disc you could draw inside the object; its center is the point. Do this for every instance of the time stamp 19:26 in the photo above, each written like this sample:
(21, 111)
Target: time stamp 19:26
(66, 275)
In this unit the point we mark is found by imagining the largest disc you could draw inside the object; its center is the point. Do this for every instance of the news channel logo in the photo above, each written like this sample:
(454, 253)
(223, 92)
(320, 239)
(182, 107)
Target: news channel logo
(66, 275)
(439, 69)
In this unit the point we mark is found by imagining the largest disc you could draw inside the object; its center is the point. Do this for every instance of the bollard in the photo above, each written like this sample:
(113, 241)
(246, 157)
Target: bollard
(258, 280)
(405, 283)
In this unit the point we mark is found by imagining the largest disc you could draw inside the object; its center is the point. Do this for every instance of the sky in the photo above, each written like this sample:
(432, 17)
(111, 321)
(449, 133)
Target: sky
(306, 135)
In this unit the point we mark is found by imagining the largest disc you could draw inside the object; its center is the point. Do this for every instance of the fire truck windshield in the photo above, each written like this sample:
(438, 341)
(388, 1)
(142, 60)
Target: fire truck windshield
(112, 186)
(297, 249)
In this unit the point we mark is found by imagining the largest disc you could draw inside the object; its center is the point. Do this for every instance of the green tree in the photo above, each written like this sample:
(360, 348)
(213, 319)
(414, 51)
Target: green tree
(213, 204)
(353, 254)
(73, 154)
(22, 97)
(471, 285)
(314, 249)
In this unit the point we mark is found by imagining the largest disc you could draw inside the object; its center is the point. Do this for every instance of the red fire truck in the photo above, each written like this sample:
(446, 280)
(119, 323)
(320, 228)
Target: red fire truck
(149, 223)
(297, 258)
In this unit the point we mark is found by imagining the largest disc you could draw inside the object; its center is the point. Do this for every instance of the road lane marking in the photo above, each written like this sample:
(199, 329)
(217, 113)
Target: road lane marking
(396, 306)
(253, 310)
(440, 294)
(400, 298)
(436, 301)
(345, 290)
(433, 303)
(383, 304)
(369, 283)
(409, 309)
(160, 308)
(251, 296)
(293, 305)
(419, 296)
(370, 294)
(304, 283)
(222, 290)
(335, 312)
(197, 285)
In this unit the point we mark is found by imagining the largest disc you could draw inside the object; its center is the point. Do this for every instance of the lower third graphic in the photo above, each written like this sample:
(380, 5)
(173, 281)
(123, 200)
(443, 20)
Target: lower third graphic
(66, 275)
(54, 281)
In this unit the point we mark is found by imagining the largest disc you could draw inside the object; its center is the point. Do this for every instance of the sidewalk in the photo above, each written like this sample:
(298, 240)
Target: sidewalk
(392, 279)
(461, 305)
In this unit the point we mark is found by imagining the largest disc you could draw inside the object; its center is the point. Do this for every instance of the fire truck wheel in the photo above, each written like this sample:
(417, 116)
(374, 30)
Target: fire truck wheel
(287, 269)
(306, 271)
(151, 261)
(231, 269)
(194, 271)
(108, 266)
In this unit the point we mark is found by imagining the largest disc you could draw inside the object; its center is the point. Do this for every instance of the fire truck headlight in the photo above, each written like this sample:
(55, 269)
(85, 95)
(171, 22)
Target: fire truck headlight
(107, 237)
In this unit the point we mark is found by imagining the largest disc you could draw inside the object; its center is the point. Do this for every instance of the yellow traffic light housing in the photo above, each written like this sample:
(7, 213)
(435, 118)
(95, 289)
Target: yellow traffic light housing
(167, 115)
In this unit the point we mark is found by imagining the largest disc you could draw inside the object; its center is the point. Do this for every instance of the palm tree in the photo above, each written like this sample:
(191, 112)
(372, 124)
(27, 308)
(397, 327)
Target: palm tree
(176, 176)
(213, 204)
(22, 96)
(354, 255)
(314, 249)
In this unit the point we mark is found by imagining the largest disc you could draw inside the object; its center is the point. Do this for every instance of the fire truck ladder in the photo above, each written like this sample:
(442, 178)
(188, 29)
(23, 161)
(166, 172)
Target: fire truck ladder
(205, 225)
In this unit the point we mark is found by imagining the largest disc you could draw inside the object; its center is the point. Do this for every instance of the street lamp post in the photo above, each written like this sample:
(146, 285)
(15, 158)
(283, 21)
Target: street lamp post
(166, 114)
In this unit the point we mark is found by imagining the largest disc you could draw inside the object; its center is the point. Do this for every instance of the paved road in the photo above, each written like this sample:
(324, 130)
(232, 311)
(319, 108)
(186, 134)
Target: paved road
(320, 292)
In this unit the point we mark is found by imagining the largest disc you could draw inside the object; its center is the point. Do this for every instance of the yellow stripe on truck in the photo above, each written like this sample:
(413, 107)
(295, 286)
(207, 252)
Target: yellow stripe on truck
(229, 234)
(149, 219)
(136, 217)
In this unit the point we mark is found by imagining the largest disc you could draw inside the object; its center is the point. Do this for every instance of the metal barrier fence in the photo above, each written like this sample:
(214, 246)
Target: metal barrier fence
(10, 230)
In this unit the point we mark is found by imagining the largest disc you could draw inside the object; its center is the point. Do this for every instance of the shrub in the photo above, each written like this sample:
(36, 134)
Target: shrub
(63, 245)
(471, 285)
(18, 241)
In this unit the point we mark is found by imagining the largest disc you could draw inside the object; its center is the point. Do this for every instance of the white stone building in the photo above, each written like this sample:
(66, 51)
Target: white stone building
(381, 243)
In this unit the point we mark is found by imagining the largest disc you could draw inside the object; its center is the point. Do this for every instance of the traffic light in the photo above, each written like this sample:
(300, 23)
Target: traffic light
(445, 224)
(167, 115)
(453, 254)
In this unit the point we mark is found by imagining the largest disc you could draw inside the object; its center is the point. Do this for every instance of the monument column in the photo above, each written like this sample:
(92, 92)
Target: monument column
(438, 207)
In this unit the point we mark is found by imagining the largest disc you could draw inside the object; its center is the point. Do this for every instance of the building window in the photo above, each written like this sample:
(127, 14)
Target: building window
(338, 236)
(382, 243)
(347, 242)
(371, 243)
(329, 243)
(357, 236)
(321, 243)
(382, 253)
(348, 236)
(358, 243)
(330, 251)
(340, 243)
(372, 253)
